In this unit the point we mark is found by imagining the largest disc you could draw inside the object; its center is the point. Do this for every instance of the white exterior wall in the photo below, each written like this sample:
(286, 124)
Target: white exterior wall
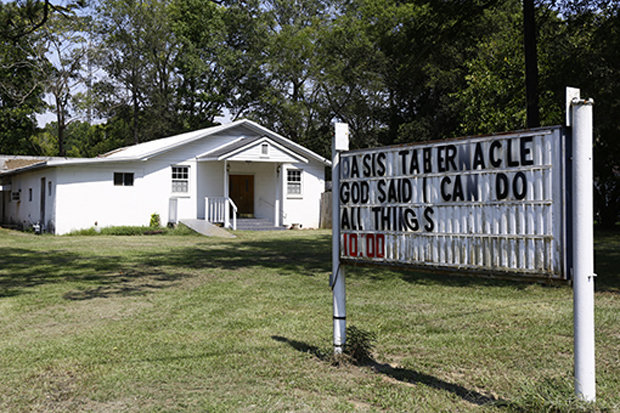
(84, 195)
(27, 211)
(304, 210)
(87, 197)
(87, 194)
(210, 176)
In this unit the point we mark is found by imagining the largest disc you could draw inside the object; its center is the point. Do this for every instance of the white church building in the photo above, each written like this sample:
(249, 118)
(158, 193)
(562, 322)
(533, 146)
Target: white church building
(215, 174)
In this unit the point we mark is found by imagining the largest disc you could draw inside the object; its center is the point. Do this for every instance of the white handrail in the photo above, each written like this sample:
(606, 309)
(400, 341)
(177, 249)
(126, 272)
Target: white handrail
(217, 211)
(234, 207)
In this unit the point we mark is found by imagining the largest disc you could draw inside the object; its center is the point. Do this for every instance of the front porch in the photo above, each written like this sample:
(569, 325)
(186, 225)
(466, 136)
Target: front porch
(245, 179)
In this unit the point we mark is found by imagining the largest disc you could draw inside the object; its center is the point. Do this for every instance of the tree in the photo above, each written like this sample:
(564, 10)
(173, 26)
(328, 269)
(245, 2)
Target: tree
(24, 17)
(65, 46)
(204, 84)
(21, 92)
(282, 90)
(594, 56)
(138, 54)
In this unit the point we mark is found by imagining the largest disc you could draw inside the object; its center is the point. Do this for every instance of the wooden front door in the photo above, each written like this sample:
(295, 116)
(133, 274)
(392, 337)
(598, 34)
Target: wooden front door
(241, 191)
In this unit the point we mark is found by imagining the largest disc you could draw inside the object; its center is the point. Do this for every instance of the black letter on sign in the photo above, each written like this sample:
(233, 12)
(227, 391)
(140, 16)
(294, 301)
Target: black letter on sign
(344, 192)
(450, 155)
(440, 159)
(501, 186)
(381, 163)
(511, 162)
(478, 159)
(426, 155)
(444, 195)
(526, 159)
(355, 170)
(428, 215)
(366, 165)
(519, 176)
(381, 189)
(410, 219)
(344, 220)
(413, 166)
(494, 161)
(457, 192)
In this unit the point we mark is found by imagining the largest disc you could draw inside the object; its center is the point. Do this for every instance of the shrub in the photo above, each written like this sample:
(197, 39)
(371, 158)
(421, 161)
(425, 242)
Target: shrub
(155, 221)
(359, 345)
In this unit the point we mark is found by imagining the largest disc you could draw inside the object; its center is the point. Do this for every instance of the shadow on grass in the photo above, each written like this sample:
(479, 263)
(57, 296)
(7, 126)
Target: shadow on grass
(139, 271)
(404, 375)
(102, 276)
(607, 261)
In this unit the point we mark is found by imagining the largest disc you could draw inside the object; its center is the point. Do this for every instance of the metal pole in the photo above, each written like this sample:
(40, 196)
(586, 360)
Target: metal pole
(583, 250)
(341, 142)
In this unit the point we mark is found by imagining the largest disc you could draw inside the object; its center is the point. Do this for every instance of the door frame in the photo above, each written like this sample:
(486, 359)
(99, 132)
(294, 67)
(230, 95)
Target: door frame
(251, 203)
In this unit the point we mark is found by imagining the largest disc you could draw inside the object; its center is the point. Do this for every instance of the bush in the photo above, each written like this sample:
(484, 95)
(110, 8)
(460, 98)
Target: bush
(359, 345)
(155, 221)
(129, 230)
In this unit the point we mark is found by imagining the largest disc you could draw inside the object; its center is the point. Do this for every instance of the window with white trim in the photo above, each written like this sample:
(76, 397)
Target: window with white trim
(123, 178)
(293, 182)
(180, 179)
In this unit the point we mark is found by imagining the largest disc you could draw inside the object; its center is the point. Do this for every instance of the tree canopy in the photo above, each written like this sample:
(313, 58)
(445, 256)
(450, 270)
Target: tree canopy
(126, 71)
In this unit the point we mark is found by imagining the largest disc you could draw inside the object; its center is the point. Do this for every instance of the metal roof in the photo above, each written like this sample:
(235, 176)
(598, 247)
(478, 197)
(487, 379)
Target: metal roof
(146, 150)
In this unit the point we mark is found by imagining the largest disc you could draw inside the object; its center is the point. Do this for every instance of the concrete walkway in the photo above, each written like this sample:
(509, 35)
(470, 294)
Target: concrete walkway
(206, 228)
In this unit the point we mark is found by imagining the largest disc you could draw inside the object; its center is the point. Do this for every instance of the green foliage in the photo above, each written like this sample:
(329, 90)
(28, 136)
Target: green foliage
(135, 230)
(155, 221)
(360, 344)
(395, 71)
(21, 93)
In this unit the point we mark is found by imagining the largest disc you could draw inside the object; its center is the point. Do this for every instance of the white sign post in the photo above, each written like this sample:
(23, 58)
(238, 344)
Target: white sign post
(340, 143)
(583, 254)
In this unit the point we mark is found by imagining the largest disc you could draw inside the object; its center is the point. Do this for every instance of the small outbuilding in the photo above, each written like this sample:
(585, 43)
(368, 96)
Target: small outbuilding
(240, 169)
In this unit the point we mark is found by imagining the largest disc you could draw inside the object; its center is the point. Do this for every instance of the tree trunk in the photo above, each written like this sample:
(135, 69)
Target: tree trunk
(60, 125)
(135, 118)
(531, 63)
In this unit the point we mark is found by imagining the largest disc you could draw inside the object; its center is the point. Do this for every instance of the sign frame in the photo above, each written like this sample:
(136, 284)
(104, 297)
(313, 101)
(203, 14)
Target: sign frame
(549, 240)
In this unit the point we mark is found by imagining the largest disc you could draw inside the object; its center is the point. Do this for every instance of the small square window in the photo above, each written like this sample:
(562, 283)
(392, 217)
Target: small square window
(123, 178)
(293, 182)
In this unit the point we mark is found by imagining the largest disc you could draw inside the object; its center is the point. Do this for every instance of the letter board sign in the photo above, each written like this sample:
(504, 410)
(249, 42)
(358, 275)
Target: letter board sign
(484, 204)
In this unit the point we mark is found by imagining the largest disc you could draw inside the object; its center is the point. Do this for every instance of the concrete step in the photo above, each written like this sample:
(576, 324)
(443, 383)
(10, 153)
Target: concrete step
(256, 224)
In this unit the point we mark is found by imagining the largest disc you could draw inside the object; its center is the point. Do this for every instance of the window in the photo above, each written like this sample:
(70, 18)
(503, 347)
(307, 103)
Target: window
(15, 195)
(293, 182)
(29, 194)
(264, 149)
(180, 179)
(49, 188)
(123, 178)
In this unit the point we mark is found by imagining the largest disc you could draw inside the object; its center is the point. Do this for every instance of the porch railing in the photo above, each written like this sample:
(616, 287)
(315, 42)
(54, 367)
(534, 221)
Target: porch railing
(217, 210)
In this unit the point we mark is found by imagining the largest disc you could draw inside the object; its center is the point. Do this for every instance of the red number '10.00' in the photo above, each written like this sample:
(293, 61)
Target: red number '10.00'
(374, 245)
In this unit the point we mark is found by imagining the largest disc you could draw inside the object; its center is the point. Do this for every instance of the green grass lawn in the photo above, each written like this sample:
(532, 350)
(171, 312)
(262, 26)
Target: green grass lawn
(188, 323)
